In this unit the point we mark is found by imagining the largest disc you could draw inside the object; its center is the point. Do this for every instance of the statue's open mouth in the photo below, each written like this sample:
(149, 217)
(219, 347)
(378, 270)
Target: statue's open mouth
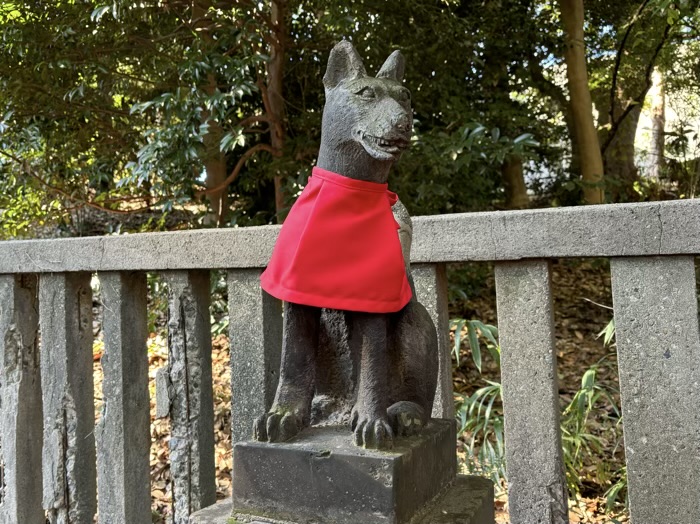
(383, 148)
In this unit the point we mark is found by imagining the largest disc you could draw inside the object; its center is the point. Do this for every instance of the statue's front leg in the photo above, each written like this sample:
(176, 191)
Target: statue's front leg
(369, 419)
(291, 410)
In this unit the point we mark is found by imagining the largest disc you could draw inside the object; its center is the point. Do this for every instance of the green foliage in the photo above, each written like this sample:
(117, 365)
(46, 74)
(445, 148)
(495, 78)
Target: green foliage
(580, 444)
(465, 280)
(480, 418)
(157, 303)
(121, 105)
(457, 171)
(24, 209)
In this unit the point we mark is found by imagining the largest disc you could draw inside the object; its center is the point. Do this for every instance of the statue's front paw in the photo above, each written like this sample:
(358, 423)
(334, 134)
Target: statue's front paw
(278, 426)
(371, 431)
(406, 418)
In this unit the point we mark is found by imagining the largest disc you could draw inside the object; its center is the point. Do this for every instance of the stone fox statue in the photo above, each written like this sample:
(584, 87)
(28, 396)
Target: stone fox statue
(358, 347)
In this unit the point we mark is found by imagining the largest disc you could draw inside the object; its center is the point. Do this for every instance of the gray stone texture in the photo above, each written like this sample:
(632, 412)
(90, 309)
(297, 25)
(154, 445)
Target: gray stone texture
(650, 228)
(163, 393)
(69, 463)
(658, 345)
(468, 500)
(536, 481)
(219, 513)
(322, 476)
(255, 330)
(123, 432)
(430, 282)
(192, 404)
(20, 410)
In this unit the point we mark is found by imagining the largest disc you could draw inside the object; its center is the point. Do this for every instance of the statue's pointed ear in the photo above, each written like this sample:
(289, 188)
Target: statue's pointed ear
(344, 63)
(394, 67)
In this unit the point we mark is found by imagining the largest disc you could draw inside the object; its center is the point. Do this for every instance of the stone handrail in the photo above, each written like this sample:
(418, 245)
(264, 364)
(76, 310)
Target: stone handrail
(46, 284)
(658, 228)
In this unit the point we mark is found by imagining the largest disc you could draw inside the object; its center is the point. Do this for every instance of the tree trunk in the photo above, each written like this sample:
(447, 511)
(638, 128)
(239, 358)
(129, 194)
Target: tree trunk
(514, 183)
(620, 167)
(658, 125)
(558, 96)
(496, 89)
(215, 165)
(214, 160)
(275, 109)
(591, 160)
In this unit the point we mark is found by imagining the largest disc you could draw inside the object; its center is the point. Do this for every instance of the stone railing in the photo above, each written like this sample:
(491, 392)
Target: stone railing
(58, 461)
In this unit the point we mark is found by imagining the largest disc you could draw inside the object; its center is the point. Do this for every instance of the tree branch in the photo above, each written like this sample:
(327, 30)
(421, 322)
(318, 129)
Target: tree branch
(239, 165)
(615, 126)
(27, 170)
(618, 58)
(246, 122)
(546, 86)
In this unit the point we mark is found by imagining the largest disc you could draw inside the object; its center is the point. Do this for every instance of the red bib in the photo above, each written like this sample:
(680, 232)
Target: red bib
(339, 248)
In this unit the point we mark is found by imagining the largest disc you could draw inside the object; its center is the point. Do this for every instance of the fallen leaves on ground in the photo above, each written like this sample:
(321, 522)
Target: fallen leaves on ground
(161, 487)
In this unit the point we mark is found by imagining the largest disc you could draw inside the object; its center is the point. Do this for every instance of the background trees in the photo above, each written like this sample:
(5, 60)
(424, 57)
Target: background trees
(213, 106)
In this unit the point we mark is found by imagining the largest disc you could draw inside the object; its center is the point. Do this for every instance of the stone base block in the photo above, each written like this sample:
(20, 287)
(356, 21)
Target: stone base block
(321, 476)
(468, 500)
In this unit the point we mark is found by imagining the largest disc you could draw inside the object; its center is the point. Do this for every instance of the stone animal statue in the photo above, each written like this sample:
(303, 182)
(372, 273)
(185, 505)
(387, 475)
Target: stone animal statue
(371, 363)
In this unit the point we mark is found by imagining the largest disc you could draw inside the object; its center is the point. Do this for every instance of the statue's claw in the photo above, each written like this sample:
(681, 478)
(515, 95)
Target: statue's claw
(279, 426)
(371, 431)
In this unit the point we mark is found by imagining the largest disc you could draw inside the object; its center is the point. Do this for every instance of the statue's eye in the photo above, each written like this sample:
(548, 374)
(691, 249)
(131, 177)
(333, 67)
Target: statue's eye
(366, 93)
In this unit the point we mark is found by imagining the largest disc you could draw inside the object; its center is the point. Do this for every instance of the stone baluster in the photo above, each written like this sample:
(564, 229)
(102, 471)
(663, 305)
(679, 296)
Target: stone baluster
(20, 391)
(431, 290)
(191, 395)
(255, 327)
(658, 346)
(536, 480)
(69, 470)
(123, 432)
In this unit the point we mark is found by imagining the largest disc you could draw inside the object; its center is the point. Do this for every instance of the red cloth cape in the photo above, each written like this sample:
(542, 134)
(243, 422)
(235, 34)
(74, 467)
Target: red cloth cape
(339, 248)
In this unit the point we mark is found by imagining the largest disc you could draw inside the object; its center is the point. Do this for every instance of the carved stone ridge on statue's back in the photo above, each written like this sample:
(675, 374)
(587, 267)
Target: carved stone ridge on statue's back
(358, 347)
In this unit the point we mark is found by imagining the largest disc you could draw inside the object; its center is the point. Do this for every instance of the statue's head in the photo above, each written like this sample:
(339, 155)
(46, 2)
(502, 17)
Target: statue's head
(365, 115)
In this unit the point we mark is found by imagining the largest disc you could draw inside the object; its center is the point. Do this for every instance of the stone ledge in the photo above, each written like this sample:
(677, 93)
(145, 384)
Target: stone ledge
(469, 500)
(613, 230)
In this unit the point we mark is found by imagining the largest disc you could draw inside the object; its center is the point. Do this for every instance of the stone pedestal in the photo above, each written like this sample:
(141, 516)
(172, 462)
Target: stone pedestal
(321, 477)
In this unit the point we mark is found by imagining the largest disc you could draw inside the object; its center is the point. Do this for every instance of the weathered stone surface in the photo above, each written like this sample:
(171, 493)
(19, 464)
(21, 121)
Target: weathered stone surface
(69, 467)
(322, 475)
(163, 393)
(590, 231)
(219, 513)
(192, 405)
(21, 407)
(431, 289)
(679, 228)
(255, 330)
(207, 248)
(123, 432)
(536, 482)
(658, 345)
(649, 228)
(468, 500)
